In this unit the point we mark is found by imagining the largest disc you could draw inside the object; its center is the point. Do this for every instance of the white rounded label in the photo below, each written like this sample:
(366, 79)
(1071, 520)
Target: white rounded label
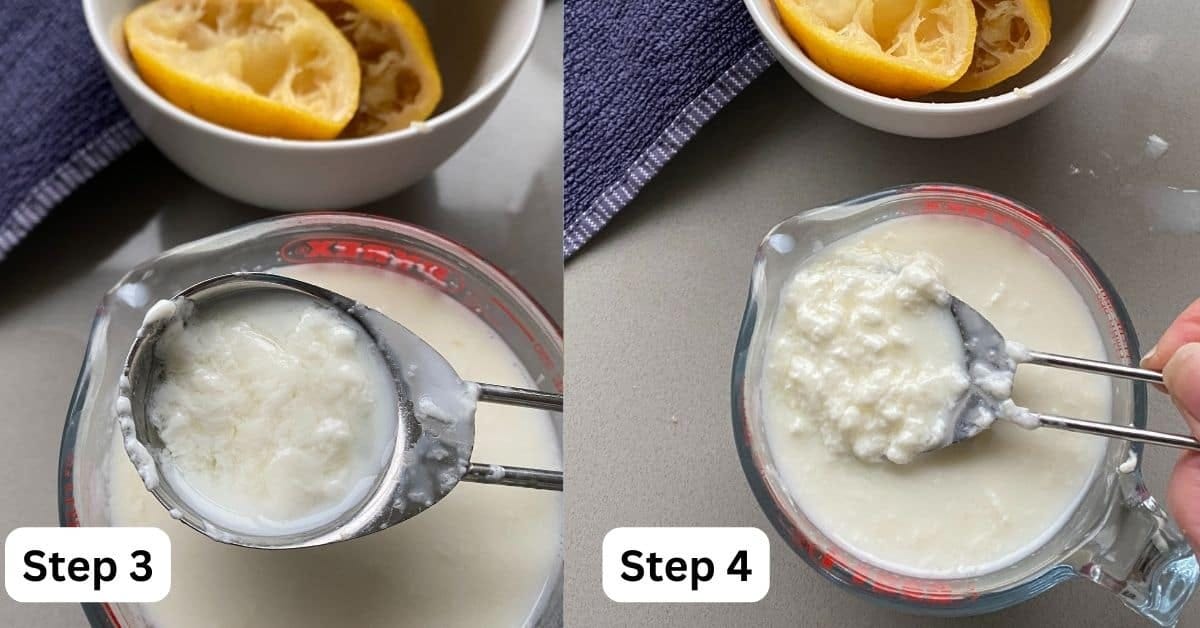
(87, 564)
(686, 565)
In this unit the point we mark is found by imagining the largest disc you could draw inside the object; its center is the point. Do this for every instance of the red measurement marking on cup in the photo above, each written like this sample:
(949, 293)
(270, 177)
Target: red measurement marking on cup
(68, 490)
(971, 210)
(371, 253)
(542, 353)
(1116, 330)
(406, 261)
(68, 472)
(1020, 227)
(538, 348)
(112, 617)
(879, 582)
(846, 568)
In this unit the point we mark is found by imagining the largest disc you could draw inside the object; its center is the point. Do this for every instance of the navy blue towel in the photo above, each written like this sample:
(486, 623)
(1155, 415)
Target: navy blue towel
(640, 78)
(60, 122)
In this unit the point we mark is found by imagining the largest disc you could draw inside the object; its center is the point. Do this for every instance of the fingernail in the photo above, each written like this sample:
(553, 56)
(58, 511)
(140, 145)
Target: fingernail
(1149, 355)
(1182, 376)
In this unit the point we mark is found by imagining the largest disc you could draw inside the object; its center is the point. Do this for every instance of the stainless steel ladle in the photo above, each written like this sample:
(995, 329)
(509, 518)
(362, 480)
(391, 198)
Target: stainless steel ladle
(431, 454)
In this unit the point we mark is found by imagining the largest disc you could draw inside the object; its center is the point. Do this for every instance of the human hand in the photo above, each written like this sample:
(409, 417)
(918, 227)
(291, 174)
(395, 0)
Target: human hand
(1177, 355)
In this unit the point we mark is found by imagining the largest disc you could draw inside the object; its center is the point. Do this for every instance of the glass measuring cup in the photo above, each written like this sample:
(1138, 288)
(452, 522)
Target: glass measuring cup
(1118, 536)
(327, 237)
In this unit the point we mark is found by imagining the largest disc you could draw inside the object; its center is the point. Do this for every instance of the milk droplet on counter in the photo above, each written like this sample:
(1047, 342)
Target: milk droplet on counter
(1156, 147)
(1173, 209)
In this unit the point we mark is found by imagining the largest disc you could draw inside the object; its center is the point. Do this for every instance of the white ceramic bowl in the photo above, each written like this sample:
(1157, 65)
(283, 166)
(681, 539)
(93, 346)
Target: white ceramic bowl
(479, 45)
(1080, 31)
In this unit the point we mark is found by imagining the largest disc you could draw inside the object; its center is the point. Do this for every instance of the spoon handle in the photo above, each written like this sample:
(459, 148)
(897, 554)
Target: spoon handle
(517, 476)
(523, 397)
(1095, 366)
(1118, 431)
(514, 476)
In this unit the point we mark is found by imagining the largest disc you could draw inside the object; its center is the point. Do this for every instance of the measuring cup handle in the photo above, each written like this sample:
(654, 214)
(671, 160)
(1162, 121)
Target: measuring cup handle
(1141, 556)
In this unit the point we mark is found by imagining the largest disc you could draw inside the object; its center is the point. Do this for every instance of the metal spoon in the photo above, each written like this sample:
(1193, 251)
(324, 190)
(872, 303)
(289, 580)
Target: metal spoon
(986, 349)
(431, 454)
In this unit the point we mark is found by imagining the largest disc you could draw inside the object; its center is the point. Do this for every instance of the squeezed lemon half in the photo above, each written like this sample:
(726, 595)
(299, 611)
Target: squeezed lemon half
(278, 68)
(901, 48)
(1012, 35)
(400, 79)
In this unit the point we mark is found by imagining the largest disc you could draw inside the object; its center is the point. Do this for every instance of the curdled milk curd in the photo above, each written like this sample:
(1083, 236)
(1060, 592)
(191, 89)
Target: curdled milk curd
(480, 557)
(277, 414)
(866, 353)
(971, 508)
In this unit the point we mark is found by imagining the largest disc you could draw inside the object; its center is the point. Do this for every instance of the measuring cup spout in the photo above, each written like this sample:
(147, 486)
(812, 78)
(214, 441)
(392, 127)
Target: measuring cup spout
(1141, 555)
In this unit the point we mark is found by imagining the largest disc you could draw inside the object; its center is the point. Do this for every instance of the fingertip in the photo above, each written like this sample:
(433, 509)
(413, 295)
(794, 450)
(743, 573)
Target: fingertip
(1150, 360)
(1184, 329)
(1182, 378)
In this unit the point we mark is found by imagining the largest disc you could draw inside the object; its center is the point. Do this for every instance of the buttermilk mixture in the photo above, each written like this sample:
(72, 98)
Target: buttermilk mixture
(481, 556)
(864, 364)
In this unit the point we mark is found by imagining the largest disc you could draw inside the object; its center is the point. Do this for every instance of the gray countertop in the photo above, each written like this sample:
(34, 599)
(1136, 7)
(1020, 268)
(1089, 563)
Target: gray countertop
(653, 303)
(505, 204)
